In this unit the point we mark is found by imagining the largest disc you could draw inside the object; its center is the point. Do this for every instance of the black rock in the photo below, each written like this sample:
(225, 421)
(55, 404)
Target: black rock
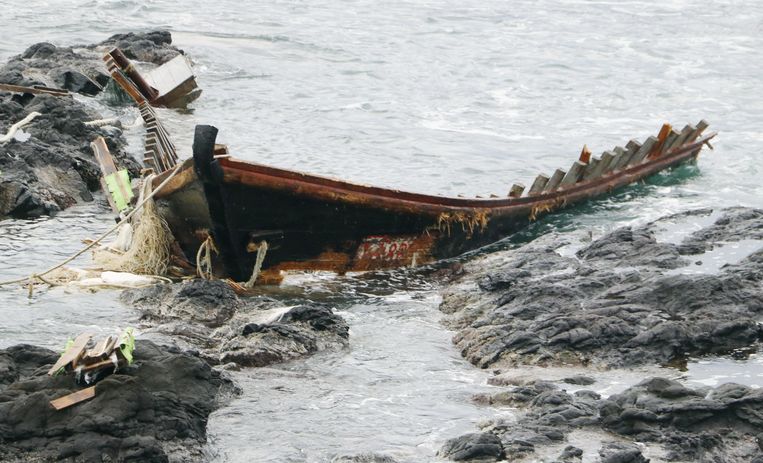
(473, 447)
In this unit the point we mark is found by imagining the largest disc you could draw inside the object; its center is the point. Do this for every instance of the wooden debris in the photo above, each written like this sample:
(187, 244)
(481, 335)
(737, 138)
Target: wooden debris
(116, 182)
(554, 181)
(644, 151)
(34, 90)
(74, 398)
(602, 167)
(585, 155)
(538, 185)
(574, 174)
(701, 126)
(621, 157)
(591, 168)
(72, 354)
(684, 135)
(669, 142)
(516, 190)
(661, 137)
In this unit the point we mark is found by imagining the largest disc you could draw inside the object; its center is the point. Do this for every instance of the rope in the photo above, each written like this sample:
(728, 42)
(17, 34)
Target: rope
(261, 251)
(12, 131)
(34, 276)
(204, 258)
(102, 122)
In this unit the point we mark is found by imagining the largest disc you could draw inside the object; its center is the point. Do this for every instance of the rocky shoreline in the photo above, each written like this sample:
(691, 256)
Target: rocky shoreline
(54, 167)
(633, 297)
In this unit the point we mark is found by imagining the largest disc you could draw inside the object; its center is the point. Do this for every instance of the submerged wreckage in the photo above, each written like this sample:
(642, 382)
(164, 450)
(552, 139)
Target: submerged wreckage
(243, 210)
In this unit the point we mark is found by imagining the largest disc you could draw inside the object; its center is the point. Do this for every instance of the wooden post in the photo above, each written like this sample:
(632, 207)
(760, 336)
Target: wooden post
(538, 185)
(573, 175)
(621, 156)
(661, 137)
(645, 149)
(632, 148)
(669, 142)
(590, 168)
(603, 166)
(701, 126)
(516, 190)
(554, 181)
(683, 136)
(585, 155)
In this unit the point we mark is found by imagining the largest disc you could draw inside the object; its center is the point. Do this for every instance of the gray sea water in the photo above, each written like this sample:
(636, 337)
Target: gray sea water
(434, 96)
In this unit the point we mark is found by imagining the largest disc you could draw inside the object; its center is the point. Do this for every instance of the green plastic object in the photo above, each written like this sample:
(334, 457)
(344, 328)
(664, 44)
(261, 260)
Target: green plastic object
(121, 195)
(66, 347)
(127, 345)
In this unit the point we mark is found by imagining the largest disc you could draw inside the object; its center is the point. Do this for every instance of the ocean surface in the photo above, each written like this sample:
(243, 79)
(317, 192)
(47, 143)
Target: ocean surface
(434, 96)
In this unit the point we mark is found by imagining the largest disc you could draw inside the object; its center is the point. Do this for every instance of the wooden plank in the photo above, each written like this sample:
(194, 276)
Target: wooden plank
(538, 185)
(701, 126)
(590, 168)
(34, 90)
(621, 157)
(554, 181)
(642, 152)
(632, 147)
(72, 354)
(516, 190)
(661, 137)
(573, 175)
(585, 155)
(669, 142)
(74, 398)
(602, 166)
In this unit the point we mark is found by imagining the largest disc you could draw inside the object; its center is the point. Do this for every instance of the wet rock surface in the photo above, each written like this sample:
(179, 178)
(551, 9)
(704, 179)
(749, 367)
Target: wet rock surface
(238, 332)
(637, 296)
(49, 165)
(708, 424)
(624, 299)
(154, 410)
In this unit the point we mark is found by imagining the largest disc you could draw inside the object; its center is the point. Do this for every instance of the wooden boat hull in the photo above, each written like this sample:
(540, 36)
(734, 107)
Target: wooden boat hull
(315, 223)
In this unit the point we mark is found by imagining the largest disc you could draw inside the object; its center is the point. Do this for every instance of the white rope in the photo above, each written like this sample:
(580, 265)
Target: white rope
(102, 122)
(15, 127)
(38, 276)
(261, 251)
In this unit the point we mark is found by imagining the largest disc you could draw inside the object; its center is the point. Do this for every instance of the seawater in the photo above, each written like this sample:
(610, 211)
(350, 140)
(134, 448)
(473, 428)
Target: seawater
(431, 96)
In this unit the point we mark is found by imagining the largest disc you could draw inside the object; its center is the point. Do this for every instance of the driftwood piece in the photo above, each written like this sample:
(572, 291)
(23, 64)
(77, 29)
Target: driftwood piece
(538, 185)
(72, 354)
(516, 190)
(573, 175)
(34, 90)
(554, 181)
(74, 398)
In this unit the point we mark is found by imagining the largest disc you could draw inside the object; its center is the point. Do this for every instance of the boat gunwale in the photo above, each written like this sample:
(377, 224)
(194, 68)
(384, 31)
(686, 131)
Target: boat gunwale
(236, 170)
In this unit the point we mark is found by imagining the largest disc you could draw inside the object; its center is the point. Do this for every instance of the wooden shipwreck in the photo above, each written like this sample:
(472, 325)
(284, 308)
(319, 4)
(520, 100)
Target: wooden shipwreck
(316, 223)
(307, 222)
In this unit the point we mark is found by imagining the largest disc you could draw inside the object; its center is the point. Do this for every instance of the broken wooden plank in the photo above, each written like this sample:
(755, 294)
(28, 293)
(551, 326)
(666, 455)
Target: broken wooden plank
(669, 142)
(661, 137)
(34, 90)
(602, 167)
(573, 175)
(74, 398)
(642, 152)
(585, 155)
(516, 190)
(590, 168)
(621, 157)
(73, 353)
(632, 148)
(554, 181)
(701, 126)
(538, 185)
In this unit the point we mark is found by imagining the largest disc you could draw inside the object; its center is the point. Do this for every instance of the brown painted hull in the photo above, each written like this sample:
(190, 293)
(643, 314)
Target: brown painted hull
(315, 223)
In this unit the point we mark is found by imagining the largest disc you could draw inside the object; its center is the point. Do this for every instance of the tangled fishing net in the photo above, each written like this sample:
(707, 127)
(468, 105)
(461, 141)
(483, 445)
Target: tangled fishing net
(143, 244)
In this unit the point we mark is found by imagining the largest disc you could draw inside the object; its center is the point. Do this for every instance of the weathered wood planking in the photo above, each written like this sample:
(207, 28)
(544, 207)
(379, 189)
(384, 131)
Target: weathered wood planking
(701, 126)
(34, 90)
(554, 181)
(74, 398)
(574, 174)
(516, 190)
(585, 155)
(621, 157)
(591, 168)
(661, 137)
(632, 148)
(644, 151)
(602, 167)
(538, 185)
(672, 137)
(72, 354)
